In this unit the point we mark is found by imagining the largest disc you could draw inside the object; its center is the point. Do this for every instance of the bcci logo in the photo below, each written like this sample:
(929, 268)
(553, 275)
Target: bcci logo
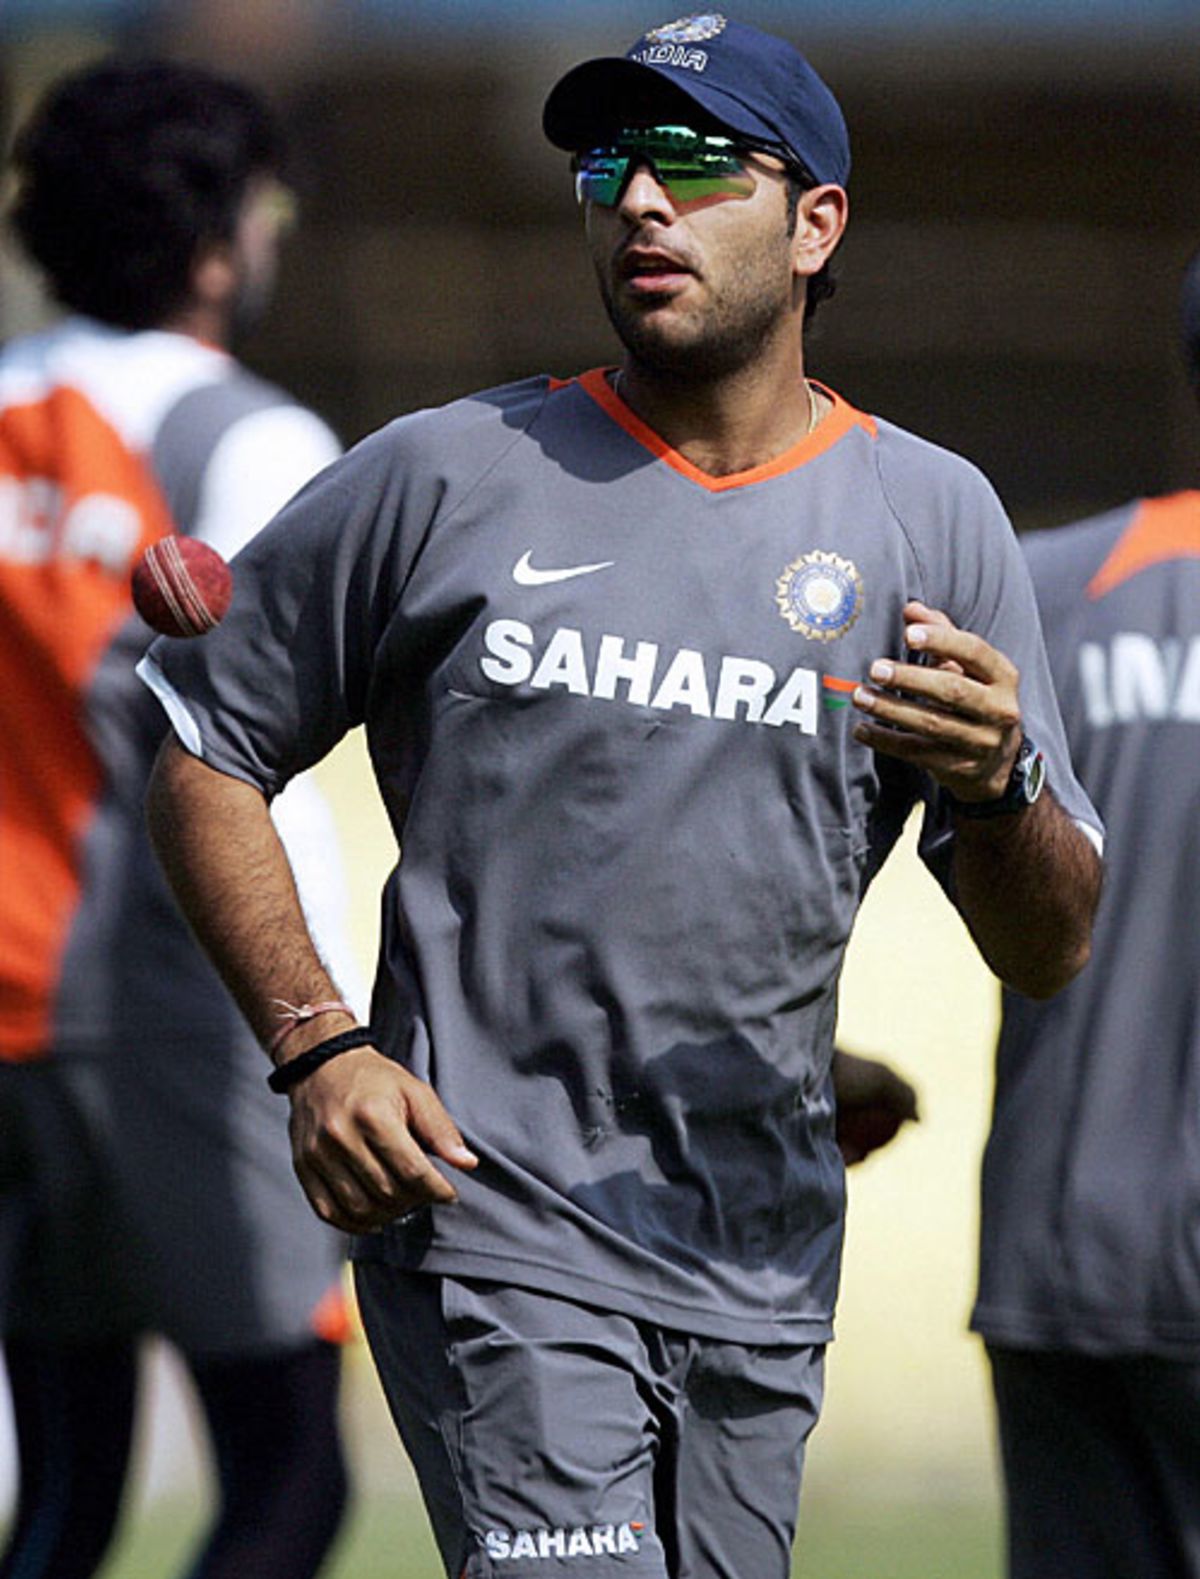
(689, 29)
(820, 595)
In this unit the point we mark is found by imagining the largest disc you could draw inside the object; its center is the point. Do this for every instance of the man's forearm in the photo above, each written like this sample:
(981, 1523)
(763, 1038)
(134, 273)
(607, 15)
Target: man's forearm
(217, 844)
(1027, 887)
(367, 1135)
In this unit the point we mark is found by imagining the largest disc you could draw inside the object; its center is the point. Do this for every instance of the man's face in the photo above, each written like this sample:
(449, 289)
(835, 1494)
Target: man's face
(694, 285)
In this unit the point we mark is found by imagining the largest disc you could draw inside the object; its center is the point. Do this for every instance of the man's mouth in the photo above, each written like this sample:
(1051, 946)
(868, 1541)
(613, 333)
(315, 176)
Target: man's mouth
(649, 269)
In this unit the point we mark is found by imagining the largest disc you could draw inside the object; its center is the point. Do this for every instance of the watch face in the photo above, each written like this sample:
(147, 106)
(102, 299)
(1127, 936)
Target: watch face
(1032, 768)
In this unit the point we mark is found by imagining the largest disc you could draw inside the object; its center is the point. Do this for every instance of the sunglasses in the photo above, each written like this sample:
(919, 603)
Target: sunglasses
(690, 165)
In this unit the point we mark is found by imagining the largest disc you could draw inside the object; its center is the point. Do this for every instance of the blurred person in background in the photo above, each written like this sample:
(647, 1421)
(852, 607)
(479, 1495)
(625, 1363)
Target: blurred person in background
(605, 633)
(145, 1181)
(1089, 1283)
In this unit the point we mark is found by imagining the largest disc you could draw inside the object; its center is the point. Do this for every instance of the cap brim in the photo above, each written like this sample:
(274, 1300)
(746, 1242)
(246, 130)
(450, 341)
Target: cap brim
(602, 96)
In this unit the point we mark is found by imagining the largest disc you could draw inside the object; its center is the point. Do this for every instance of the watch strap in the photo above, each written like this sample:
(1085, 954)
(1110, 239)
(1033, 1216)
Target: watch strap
(1024, 785)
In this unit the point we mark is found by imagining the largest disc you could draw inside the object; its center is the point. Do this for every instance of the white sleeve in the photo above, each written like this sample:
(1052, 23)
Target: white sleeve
(255, 468)
(257, 465)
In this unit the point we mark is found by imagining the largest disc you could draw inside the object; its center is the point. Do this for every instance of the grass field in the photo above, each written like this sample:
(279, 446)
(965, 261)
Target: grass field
(838, 1541)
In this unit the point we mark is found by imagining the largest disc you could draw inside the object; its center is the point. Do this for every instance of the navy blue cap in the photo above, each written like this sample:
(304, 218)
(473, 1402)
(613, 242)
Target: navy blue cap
(748, 82)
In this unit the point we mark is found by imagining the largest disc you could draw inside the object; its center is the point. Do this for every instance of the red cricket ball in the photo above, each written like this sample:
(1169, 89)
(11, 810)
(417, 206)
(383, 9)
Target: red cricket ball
(181, 586)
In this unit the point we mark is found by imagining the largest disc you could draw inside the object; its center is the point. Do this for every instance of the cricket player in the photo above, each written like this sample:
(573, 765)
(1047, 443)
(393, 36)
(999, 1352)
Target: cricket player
(145, 1185)
(654, 662)
(1089, 1286)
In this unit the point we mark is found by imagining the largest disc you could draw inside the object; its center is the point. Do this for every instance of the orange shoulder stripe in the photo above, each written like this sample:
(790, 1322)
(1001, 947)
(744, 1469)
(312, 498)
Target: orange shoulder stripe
(1161, 529)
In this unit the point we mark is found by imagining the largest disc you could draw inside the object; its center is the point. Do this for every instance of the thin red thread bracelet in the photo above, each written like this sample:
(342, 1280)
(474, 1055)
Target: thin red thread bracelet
(300, 1014)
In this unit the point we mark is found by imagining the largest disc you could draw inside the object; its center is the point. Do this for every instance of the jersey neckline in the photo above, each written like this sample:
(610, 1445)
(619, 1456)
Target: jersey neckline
(824, 436)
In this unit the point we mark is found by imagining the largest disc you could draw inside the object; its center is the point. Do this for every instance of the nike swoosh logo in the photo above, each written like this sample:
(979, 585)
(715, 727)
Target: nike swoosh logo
(526, 575)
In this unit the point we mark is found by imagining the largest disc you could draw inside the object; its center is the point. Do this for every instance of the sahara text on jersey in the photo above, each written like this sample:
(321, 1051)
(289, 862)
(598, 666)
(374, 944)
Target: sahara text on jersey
(745, 688)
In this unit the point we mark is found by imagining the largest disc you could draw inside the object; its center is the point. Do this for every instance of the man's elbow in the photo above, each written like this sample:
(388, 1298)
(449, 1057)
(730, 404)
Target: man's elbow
(1055, 969)
(1047, 969)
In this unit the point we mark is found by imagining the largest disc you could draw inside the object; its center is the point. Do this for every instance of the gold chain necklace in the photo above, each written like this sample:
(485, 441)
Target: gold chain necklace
(814, 409)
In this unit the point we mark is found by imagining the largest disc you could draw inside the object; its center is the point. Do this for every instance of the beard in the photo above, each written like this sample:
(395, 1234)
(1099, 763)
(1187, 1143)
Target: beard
(703, 345)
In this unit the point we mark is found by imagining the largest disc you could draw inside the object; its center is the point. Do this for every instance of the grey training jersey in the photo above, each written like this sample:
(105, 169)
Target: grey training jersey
(606, 702)
(1091, 1184)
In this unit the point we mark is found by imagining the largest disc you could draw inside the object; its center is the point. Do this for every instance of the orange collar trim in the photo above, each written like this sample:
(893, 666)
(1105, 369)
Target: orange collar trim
(834, 426)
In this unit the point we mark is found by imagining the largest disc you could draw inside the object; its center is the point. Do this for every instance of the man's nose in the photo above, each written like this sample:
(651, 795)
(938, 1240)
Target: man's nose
(644, 194)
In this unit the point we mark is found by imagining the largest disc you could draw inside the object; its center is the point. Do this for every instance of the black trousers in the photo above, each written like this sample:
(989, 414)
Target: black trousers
(1101, 1459)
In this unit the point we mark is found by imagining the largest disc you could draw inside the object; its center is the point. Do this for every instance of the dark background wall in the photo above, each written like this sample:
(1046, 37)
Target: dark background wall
(1007, 287)
(1022, 209)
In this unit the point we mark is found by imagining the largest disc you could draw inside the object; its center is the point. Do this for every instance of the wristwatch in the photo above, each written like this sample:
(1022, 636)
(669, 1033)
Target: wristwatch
(1024, 785)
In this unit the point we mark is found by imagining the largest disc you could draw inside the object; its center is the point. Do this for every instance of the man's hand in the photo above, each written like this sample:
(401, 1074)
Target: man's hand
(872, 1103)
(364, 1133)
(1026, 884)
(953, 712)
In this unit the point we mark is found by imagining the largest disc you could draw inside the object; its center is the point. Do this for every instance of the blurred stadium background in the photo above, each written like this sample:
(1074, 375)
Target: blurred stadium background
(1024, 200)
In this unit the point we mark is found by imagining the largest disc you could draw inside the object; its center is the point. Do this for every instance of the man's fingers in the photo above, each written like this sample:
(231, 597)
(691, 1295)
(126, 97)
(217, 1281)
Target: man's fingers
(338, 1189)
(930, 724)
(337, 1198)
(437, 1131)
(946, 644)
(361, 1139)
(380, 1153)
(954, 712)
(946, 688)
(941, 756)
(917, 612)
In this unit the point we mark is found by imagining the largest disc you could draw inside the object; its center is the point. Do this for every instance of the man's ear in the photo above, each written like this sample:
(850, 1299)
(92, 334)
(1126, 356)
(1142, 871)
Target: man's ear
(821, 217)
(214, 276)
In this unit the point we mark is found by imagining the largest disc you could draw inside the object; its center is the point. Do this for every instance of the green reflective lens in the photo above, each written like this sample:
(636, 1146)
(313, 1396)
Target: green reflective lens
(690, 165)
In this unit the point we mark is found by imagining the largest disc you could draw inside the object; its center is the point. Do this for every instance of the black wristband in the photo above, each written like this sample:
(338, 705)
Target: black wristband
(303, 1065)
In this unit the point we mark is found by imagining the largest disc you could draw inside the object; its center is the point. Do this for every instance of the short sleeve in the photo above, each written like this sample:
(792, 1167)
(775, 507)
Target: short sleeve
(973, 570)
(285, 675)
